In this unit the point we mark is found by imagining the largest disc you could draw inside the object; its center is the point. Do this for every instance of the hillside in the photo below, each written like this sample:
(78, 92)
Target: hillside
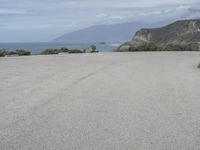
(103, 33)
(181, 32)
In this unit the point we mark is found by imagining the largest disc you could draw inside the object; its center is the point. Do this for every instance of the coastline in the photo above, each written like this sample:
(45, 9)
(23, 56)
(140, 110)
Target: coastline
(37, 48)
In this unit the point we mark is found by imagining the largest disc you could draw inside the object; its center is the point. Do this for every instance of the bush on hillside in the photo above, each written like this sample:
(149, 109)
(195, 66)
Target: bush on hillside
(154, 47)
(145, 47)
(192, 47)
(174, 47)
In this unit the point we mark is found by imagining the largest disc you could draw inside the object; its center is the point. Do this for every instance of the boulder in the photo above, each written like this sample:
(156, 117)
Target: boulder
(91, 49)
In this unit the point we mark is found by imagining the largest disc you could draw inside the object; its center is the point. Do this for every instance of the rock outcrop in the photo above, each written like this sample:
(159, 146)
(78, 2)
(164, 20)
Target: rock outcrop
(91, 49)
(182, 32)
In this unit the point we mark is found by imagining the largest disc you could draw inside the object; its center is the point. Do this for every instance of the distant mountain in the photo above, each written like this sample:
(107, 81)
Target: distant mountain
(181, 32)
(103, 33)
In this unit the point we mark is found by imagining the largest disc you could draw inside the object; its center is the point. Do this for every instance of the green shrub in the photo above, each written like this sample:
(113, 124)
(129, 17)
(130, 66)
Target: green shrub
(50, 51)
(11, 53)
(64, 50)
(55, 51)
(22, 52)
(154, 47)
(145, 47)
(19, 52)
(199, 66)
(173, 47)
(124, 48)
(2, 52)
(192, 47)
(75, 51)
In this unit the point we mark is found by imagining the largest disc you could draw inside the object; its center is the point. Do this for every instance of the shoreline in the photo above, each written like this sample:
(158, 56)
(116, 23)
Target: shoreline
(109, 52)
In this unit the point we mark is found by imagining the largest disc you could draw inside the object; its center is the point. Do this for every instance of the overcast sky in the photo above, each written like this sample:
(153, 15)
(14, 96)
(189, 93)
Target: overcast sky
(43, 20)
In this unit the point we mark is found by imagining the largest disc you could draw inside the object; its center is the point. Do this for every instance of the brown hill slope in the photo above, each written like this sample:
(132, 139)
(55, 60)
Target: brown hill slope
(182, 32)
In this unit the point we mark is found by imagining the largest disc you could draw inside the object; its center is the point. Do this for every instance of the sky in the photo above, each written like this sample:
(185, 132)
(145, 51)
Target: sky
(44, 20)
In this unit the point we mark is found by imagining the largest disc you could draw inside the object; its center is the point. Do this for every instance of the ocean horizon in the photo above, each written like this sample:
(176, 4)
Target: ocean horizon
(38, 47)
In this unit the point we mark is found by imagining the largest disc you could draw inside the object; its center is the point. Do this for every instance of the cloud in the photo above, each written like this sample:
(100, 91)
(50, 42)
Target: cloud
(56, 17)
(12, 12)
(194, 10)
(101, 15)
(117, 17)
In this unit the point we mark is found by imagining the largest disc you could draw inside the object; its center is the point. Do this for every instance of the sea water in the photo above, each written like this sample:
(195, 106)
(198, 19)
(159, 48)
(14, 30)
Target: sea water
(37, 48)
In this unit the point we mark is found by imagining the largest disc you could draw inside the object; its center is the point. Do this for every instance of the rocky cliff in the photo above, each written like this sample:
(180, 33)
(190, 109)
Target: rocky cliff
(182, 32)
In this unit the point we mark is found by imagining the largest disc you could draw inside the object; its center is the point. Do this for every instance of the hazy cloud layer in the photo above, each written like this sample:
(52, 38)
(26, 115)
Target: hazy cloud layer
(42, 20)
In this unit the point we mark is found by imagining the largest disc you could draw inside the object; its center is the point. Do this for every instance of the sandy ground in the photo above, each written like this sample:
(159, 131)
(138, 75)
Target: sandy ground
(105, 101)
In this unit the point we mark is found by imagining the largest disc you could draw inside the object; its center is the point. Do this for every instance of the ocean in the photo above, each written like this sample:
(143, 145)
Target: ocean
(37, 48)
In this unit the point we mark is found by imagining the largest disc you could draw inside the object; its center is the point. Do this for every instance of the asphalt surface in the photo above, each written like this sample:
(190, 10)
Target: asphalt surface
(105, 101)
